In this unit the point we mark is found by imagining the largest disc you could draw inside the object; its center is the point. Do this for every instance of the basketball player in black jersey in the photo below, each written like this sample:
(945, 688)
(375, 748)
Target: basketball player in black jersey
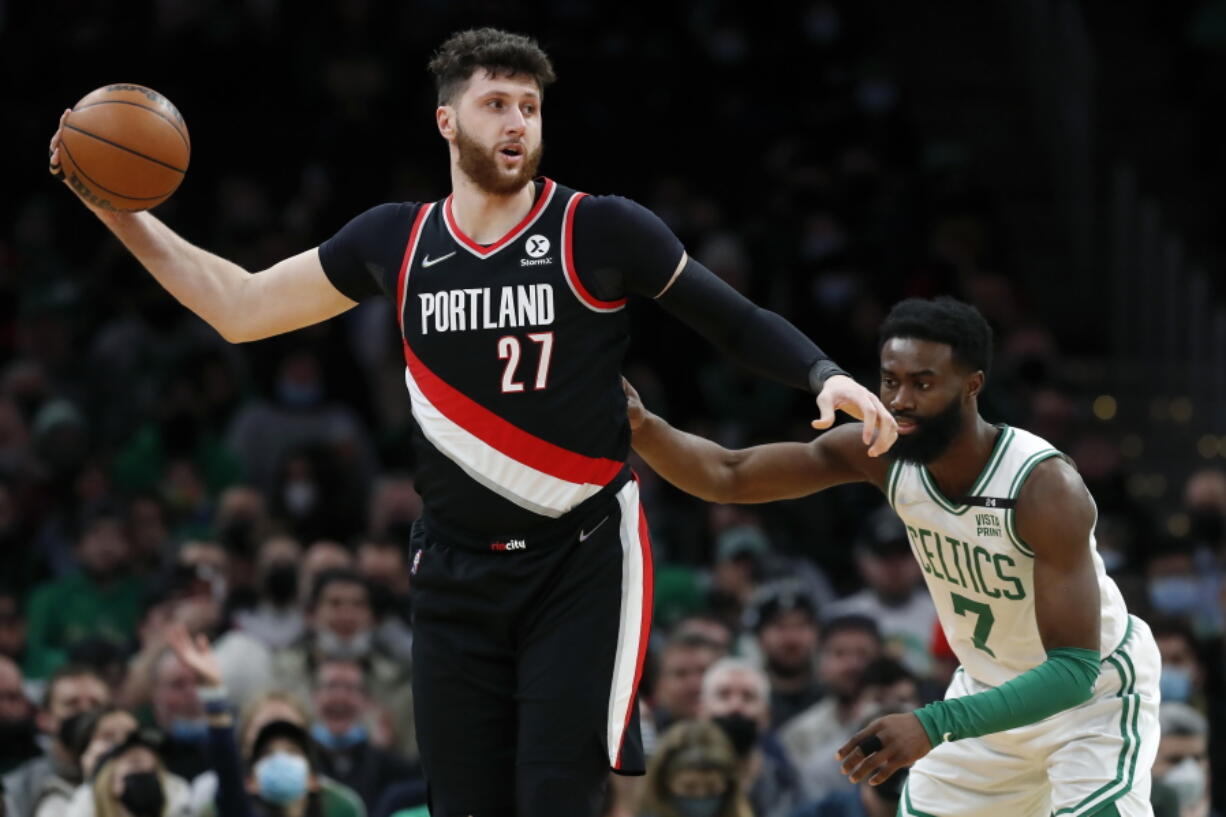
(531, 564)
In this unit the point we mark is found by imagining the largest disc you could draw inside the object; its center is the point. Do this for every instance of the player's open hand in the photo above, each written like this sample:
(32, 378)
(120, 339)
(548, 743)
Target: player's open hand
(841, 393)
(634, 406)
(883, 747)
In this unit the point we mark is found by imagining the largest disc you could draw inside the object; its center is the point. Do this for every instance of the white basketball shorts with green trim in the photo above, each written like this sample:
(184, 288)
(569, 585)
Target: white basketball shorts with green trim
(1076, 763)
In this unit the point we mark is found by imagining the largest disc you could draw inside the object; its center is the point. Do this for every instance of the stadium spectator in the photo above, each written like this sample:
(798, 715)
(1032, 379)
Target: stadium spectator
(179, 713)
(100, 599)
(382, 563)
(235, 752)
(131, 779)
(736, 698)
(276, 619)
(710, 627)
(849, 645)
(695, 773)
(784, 620)
(97, 732)
(71, 691)
(17, 729)
(343, 711)
(1183, 670)
(678, 688)
(895, 596)
(1182, 764)
(340, 624)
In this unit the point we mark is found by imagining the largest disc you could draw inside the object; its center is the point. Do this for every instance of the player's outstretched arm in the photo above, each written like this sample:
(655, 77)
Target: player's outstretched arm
(1055, 516)
(240, 306)
(763, 473)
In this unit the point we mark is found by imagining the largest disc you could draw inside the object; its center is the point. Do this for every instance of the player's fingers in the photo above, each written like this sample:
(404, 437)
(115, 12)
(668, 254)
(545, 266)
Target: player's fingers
(855, 741)
(825, 411)
(885, 771)
(865, 768)
(868, 414)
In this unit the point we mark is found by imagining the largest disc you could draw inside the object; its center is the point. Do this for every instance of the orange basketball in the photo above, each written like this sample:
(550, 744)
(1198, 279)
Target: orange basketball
(124, 147)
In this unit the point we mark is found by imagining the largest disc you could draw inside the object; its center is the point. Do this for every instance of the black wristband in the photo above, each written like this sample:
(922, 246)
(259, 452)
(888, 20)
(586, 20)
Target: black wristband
(821, 371)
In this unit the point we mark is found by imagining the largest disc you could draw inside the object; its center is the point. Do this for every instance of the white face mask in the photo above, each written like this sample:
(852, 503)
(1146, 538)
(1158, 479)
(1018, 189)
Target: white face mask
(1188, 781)
(334, 646)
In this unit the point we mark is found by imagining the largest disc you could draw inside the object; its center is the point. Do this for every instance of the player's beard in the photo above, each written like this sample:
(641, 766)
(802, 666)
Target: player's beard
(931, 437)
(480, 164)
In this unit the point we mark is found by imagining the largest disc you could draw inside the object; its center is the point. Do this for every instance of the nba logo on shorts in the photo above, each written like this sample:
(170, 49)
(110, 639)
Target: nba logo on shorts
(416, 562)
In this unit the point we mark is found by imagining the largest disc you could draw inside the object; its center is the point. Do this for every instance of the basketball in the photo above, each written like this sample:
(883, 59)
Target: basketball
(124, 147)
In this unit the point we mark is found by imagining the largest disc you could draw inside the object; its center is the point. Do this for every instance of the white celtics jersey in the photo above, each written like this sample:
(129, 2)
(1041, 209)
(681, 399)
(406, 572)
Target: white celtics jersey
(978, 569)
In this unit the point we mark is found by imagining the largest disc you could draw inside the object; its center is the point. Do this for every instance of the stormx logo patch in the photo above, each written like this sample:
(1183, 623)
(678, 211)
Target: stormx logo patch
(537, 247)
(510, 544)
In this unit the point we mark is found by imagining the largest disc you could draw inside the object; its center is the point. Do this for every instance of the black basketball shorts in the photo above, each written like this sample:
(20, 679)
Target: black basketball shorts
(527, 655)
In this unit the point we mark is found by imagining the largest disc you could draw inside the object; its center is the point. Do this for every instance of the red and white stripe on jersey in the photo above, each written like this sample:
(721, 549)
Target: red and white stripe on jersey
(410, 250)
(518, 466)
(521, 467)
(634, 624)
(482, 251)
(568, 263)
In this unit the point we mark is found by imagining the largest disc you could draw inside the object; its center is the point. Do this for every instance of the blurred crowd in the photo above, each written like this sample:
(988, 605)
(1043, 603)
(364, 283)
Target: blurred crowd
(204, 602)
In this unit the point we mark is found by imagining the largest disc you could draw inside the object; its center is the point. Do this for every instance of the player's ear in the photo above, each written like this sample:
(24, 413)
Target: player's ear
(444, 116)
(974, 384)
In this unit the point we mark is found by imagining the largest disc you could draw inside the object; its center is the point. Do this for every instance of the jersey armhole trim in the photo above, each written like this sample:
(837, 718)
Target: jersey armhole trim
(891, 482)
(685, 257)
(410, 249)
(568, 264)
(1015, 489)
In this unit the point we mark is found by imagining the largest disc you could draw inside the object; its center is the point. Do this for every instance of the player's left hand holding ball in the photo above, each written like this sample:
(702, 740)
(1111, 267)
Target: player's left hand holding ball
(841, 393)
(883, 747)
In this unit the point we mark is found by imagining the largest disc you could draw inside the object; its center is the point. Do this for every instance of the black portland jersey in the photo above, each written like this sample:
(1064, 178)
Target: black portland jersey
(513, 369)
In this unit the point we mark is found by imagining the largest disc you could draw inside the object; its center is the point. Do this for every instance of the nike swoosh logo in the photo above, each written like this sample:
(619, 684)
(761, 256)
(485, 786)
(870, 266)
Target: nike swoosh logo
(430, 262)
(583, 535)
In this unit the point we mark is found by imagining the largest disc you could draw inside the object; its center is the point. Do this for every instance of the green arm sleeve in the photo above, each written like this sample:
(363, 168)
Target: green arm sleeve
(1063, 681)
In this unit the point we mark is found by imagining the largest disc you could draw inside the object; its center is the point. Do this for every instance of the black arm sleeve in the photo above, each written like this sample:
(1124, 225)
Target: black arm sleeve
(623, 248)
(363, 258)
(756, 338)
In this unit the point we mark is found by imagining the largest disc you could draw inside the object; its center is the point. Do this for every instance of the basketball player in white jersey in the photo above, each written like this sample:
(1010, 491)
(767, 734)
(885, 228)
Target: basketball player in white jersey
(1054, 709)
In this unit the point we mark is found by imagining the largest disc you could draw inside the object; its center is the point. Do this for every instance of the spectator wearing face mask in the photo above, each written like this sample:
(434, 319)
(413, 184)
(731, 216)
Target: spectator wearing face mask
(1183, 670)
(341, 624)
(130, 780)
(17, 729)
(276, 620)
(343, 710)
(695, 773)
(243, 783)
(736, 697)
(1176, 588)
(71, 691)
(1182, 764)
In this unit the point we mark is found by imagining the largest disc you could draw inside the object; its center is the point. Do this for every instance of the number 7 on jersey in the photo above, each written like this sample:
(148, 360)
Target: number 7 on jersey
(510, 350)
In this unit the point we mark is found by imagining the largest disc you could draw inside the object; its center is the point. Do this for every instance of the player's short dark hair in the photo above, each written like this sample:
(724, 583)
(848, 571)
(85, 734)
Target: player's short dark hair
(942, 320)
(499, 52)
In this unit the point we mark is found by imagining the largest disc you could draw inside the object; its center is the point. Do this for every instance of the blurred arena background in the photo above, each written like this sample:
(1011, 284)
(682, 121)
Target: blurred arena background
(1058, 164)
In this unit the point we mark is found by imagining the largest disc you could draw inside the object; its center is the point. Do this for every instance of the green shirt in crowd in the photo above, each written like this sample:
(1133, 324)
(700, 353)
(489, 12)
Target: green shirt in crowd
(74, 608)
